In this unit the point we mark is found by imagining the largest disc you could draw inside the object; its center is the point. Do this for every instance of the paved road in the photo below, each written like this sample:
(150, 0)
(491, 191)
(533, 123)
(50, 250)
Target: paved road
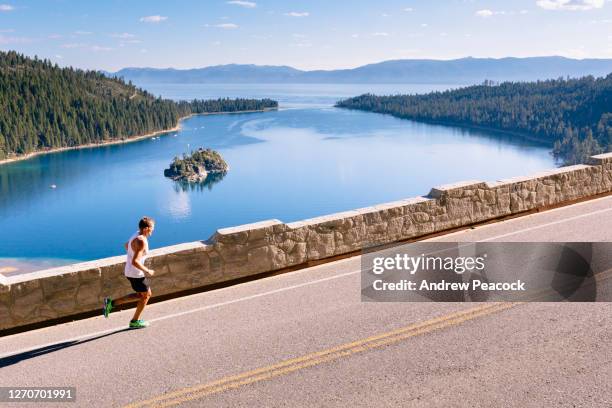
(305, 339)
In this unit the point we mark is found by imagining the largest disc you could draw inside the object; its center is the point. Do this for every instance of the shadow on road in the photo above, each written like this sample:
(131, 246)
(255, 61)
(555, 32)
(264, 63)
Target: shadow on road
(10, 360)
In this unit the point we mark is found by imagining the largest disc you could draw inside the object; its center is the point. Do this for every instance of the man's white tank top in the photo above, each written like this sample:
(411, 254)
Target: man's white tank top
(130, 270)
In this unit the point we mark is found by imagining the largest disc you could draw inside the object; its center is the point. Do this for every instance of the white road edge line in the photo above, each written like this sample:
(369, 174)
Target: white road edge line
(170, 316)
(216, 305)
(523, 217)
(548, 225)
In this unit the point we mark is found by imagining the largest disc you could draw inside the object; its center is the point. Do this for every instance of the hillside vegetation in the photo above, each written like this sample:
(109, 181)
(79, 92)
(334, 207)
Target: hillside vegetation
(574, 116)
(43, 106)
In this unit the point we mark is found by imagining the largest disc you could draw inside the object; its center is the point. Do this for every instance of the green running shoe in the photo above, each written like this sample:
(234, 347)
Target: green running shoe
(138, 324)
(108, 306)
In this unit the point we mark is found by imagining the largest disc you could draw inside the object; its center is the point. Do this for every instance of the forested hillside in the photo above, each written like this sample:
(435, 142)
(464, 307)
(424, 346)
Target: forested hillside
(43, 106)
(574, 116)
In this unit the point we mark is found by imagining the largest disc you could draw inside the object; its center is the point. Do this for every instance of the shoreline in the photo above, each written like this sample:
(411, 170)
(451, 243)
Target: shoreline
(130, 139)
(460, 125)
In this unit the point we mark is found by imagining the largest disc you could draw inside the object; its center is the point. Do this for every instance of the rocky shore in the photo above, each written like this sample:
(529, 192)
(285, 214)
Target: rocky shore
(196, 167)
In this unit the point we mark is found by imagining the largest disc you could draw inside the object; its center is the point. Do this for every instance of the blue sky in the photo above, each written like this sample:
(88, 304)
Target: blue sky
(314, 34)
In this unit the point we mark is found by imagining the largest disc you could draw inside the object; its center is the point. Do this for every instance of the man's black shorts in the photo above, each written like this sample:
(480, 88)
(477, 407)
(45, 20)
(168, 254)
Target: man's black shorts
(139, 284)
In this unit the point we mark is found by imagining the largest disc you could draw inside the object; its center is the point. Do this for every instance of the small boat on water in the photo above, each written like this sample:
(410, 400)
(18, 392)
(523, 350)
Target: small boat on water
(52, 186)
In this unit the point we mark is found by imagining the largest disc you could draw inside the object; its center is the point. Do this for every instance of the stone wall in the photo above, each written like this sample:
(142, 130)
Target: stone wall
(266, 246)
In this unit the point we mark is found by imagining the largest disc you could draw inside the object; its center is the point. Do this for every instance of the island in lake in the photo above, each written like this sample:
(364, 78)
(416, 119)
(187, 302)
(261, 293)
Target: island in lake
(195, 168)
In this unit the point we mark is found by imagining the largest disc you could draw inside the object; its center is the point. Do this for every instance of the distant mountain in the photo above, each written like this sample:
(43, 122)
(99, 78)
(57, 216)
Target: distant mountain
(459, 71)
(232, 73)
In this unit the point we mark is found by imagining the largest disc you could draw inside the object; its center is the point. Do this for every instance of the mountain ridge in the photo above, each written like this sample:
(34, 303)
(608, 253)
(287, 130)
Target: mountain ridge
(467, 70)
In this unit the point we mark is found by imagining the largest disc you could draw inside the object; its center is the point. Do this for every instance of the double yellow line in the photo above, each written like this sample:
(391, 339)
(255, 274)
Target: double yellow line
(320, 357)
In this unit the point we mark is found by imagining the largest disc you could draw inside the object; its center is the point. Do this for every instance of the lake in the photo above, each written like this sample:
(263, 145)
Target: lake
(304, 160)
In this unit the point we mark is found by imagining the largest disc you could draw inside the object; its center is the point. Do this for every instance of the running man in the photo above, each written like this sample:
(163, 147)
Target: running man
(137, 249)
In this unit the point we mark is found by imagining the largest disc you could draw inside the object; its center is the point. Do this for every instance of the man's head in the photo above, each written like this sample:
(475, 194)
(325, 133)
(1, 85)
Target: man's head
(146, 226)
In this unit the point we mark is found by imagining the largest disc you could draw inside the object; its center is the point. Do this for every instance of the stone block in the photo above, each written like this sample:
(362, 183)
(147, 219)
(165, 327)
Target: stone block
(260, 259)
(26, 297)
(185, 264)
(60, 283)
(88, 275)
(260, 234)
(297, 255)
(112, 271)
(46, 312)
(215, 262)
(320, 246)
(89, 293)
(232, 253)
(116, 287)
(162, 284)
(420, 217)
(5, 316)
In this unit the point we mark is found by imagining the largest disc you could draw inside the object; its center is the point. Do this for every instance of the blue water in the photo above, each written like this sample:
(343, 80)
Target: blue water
(305, 160)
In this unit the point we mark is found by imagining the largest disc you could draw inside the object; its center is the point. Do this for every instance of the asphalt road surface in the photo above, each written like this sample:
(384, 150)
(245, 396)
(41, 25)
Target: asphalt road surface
(305, 339)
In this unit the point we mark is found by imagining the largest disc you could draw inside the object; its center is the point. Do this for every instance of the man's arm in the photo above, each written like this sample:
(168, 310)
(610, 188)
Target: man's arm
(138, 247)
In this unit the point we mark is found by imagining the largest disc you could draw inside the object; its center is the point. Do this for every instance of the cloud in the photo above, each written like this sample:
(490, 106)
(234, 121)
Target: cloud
(354, 35)
(55, 36)
(577, 53)
(97, 48)
(408, 9)
(380, 34)
(73, 45)
(123, 36)
(7, 30)
(14, 40)
(129, 41)
(6, 7)
(409, 51)
(298, 14)
(83, 32)
(484, 13)
(153, 19)
(227, 26)
(572, 5)
(246, 4)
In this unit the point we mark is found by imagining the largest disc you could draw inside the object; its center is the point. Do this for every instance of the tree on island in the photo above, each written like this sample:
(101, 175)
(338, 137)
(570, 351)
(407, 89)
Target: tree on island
(195, 168)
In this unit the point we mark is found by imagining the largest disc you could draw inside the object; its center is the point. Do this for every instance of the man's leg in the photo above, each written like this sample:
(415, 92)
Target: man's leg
(142, 302)
(110, 303)
(132, 297)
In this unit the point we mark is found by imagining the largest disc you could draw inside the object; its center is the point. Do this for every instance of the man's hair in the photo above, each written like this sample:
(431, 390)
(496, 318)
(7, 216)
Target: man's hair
(145, 222)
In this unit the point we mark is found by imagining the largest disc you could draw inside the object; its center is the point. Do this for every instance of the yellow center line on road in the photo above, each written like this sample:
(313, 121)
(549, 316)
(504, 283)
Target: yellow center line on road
(320, 357)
